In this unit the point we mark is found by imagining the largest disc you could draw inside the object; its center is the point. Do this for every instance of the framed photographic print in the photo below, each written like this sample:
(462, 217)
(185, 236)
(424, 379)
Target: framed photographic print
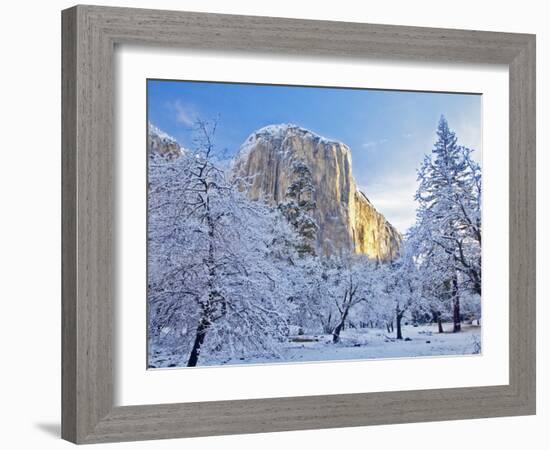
(276, 224)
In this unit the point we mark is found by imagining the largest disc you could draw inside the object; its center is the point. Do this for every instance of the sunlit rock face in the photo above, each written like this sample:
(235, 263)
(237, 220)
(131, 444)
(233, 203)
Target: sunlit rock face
(372, 233)
(347, 220)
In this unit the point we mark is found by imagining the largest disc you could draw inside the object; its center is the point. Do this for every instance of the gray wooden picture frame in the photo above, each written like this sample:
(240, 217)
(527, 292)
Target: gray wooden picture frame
(90, 34)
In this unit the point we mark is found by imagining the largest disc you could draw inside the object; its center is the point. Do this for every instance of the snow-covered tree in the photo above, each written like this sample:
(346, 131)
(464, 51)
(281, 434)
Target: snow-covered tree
(307, 274)
(349, 284)
(448, 228)
(215, 277)
(435, 268)
(401, 287)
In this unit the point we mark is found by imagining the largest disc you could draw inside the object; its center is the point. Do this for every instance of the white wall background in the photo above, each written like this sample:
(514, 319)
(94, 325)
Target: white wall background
(30, 222)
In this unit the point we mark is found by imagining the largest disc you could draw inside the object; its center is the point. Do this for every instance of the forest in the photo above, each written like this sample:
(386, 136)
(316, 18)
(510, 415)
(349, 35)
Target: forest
(233, 280)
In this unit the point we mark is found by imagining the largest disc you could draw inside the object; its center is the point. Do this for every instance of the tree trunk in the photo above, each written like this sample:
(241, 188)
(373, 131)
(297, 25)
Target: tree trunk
(477, 287)
(439, 324)
(398, 318)
(343, 317)
(213, 296)
(456, 316)
(336, 333)
(327, 329)
(456, 307)
(199, 340)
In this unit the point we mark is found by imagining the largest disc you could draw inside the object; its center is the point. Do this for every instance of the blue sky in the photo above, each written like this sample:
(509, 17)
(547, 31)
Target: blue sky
(387, 131)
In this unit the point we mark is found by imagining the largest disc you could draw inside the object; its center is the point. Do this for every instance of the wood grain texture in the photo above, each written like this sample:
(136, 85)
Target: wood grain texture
(68, 226)
(90, 34)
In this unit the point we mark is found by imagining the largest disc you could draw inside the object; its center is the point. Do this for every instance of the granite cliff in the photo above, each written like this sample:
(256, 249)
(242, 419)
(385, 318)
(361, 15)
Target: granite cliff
(158, 142)
(346, 219)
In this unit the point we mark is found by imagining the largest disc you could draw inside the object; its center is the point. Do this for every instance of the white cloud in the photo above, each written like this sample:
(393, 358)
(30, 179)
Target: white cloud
(185, 113)
(374, 143)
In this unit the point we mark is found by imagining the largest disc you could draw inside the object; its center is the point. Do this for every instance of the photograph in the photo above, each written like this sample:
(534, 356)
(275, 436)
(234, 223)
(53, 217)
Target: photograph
(299, 224)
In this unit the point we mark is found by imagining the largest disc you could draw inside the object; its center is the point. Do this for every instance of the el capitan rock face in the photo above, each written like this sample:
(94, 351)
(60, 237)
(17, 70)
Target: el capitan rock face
(347, 220)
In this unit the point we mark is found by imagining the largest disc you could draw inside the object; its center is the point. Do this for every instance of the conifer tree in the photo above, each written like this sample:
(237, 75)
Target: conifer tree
(449, 216)
(298, 205)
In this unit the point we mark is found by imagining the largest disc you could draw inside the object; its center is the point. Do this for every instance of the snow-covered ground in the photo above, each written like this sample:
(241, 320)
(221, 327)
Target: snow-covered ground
(368, 343)
(376, 343)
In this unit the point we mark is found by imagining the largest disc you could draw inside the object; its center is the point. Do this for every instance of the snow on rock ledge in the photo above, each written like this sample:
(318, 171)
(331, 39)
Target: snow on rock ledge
(161, 143)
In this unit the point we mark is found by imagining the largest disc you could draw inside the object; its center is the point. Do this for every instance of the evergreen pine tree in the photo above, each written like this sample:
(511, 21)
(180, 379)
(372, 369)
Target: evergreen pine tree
(449, 217)
(298, 205)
